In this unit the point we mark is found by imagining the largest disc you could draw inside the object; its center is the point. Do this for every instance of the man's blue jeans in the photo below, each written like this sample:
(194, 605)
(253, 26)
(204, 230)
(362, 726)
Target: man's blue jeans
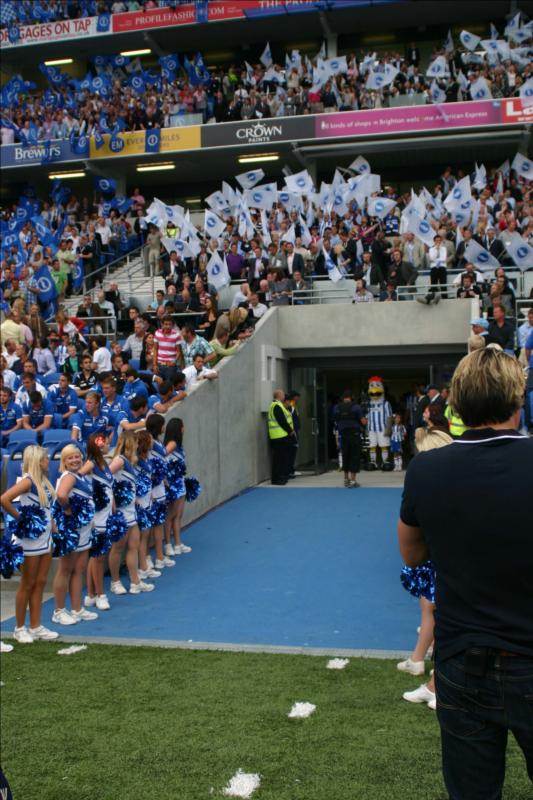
(475, 714)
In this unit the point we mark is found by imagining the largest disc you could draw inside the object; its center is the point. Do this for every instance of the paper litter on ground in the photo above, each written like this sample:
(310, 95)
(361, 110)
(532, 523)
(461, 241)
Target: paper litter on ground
(337, 663)
(75, 648)
(243, 784)
(301, 710)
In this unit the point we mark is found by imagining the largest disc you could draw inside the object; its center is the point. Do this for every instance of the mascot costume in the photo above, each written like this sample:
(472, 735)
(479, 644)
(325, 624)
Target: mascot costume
(379, 422)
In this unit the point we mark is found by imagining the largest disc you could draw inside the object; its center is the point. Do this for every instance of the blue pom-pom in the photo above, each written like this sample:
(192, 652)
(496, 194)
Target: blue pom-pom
(420, 581)
(100, 495)
(116, 526)
(143, 484)
(67, 536)
(158, 512)
(124, 493)
(176, 468)
(175, 490)
(31, 523)
(192, 489)
(100, 543)
(159, 470)
(82, 509)
(11, 557)
(144, 518)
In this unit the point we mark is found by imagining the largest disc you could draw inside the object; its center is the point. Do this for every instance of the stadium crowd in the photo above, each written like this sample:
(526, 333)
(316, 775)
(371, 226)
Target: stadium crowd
(32, 12)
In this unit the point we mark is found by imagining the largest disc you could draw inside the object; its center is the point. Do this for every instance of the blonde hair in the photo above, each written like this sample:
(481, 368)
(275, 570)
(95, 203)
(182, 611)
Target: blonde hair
(431, 439)
(31, 465)
(126, 446)
(67, 451)
(488, 387)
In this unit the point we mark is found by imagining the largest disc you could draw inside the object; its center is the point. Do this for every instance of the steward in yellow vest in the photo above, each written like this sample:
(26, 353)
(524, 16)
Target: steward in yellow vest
(281, 434)
(456, 424)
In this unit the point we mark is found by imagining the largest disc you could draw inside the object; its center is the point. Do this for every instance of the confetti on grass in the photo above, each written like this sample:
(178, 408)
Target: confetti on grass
(243, 784)
(337, 663)
(301, 710)
(75, 648)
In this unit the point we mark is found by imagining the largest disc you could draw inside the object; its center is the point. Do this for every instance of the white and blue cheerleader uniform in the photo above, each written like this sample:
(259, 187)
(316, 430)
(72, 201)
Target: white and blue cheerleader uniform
(103, 503)
(158, 508)
(176, 470)
(143, 489)
(33, 528)
(124, 489)
(82, 505)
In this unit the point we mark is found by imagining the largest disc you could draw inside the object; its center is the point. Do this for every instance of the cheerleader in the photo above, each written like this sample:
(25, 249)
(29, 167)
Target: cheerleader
(176, 470)
(154, 425)
(97, 449)
(143, 503)
(33, 527)
(123, 466)
(73, 512)
(397, 439)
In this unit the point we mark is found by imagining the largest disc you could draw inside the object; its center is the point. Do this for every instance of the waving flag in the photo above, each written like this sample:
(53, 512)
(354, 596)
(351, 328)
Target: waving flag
(480, 177)
(249, 179)
(469, 40)
(519, 36)
(360, 165)
(334, 273)
(479, 90)
(421, 228)
(218, 203)
(520, 251)
(43, 232)
(522, 166)
(152, 140)
(213, 225)
(266, 56)
(380, 207)
(80, 145)
(438, 68)
(179, 245)
(116, 142)
(448, 43)
(437, 94)
(217, 272)
(105, 185)
(103, 22)
(48, 291)
(300, 183)
(376, 80)
(526, 93)
(262, 197)
(479, 256)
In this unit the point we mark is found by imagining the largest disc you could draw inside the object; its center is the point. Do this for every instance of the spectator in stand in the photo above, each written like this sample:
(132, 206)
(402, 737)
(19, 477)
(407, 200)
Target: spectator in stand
(437, 258)
(91, 419)
(10, 415)
(256, 308)
(221, 346)
(37, 414)
(133, 386)
(362, 295)
(44, 359)
(198, 372)
(167, 349)
(64, 402)
(86, 379)
(134, 344)
(72, 363)
(389, 294)
(501, 332)
(193, 345)
(467, 288)
(101, 355)
(236, 263)
(29, 385)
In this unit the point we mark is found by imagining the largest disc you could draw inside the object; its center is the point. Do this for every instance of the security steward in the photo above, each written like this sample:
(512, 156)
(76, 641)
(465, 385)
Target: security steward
(348, 418)
(457, 426)
(291, 399)
(281, 435)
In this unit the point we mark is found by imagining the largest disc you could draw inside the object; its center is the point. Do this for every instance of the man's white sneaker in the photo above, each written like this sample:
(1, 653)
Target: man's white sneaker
(148, 573)
(89, 601)
(433, 703)
(420, 695)
(84, 615)
(5, 647)
(169, 550)
(137, 588)
(44, 633)
(165, 562)
(23, 635)
(149, 562)
(184, 548)
(413, 667)
(118, 588)
(102, 603)
(63, 617)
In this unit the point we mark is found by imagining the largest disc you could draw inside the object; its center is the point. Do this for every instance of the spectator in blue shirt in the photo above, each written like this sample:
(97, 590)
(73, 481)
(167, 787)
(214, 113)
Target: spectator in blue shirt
(113, 405)
(37, 414)
(137, 413)
(10, 414)
(160, 403)
(90, 419)
(64, 402)
(133, 386)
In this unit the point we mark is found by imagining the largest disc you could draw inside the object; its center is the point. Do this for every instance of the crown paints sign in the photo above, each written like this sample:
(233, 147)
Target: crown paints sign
(281, 129)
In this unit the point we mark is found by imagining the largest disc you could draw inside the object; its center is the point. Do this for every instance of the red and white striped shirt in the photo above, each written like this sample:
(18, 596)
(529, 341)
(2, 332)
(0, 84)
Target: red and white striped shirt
(166, 346)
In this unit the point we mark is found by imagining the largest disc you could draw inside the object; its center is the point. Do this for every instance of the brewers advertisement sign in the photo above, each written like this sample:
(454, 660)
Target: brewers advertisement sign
(265, 131)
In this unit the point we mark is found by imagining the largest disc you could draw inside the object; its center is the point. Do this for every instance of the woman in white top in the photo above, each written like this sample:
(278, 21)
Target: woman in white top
(33, 528)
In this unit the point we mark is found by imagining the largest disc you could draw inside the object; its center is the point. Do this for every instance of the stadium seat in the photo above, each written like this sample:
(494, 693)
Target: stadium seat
(21, 437)
(51, 379)
(54, 436)
(55, 448)
(53, 471)
(135, 363)
(81, 403)
(14, 470)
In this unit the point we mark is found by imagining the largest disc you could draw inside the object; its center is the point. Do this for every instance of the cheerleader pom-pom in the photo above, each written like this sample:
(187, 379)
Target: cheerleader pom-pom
(11, 557)
(67, 536)
(124, 493)
(100, 543)
(175, 490)
(420, 581)
(30, 523)
(158, 513)
(82, 509)
(159, 471)
(143, 484)
(192, 489)
(100, 495)
(144, 518)
(116, 526)
(176, 469)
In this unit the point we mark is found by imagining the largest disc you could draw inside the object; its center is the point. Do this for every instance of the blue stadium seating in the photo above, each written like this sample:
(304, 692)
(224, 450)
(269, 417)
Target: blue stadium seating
(54, 436)
(21, 437)
(135, 363)
(52, 378)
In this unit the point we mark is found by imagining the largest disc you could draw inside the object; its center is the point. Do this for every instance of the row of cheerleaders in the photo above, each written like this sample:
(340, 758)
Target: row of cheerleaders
(102, 505)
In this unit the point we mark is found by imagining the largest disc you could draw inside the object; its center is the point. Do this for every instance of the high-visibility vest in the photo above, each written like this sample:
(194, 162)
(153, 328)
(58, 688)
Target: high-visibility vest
(457, 426)
(275, 431)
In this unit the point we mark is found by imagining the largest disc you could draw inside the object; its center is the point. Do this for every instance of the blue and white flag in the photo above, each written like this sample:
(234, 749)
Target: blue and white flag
(249, 179)
(265, 232)
(522, 166)
(266, 56)
(469, 40)
(460, 194)
(77, 274)
(519, 36)
(490, 46)
(106, 185)
(217, 272)
(305, 233)
(300, 183)
(480, 257)
(261, 196)
(116, 142)
(438, 68)
(334, 273)
(179, 245)
(213, 225)
(218, 203)
(43, 232)
(421, 228)
(520, 251)
(289, 235)
(98, 140)
(526, 93)
(46, 286)
(513, 24)
(437, 94)
(152, 140)
(493, 31)
(337, 65)
(122, 204)
(360, 165)
(479, 90)
(380, 207)
(103, 22)
(480, 177)
(80, 145)
(448, 43)
(375, 80)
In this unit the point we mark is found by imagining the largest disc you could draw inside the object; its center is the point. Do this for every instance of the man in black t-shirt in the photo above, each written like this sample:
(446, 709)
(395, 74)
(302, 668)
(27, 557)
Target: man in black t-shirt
(483, 557)
(348, 419)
